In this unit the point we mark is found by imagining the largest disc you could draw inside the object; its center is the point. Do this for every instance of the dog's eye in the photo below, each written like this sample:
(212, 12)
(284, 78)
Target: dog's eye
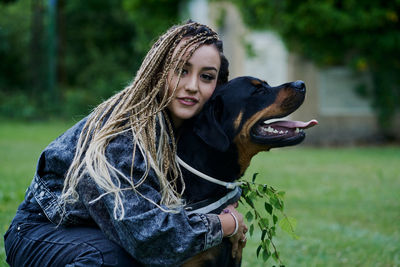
(261, 87)
(259, 91)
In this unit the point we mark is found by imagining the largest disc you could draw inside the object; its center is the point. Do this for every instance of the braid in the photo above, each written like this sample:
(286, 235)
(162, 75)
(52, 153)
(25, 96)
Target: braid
(140, 109)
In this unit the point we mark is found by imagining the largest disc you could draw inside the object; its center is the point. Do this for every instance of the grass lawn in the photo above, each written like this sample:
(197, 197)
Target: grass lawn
(346, 200)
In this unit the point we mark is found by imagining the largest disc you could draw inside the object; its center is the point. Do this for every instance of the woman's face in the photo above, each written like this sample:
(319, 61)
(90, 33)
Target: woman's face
(198, 80)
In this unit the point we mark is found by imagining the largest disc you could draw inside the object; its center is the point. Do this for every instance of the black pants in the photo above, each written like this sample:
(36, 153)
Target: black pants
(44, 244)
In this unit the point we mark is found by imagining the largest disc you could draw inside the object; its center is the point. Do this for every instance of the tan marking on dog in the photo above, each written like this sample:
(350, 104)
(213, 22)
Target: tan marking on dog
(238, 120)
(256, 82)
(246, 148)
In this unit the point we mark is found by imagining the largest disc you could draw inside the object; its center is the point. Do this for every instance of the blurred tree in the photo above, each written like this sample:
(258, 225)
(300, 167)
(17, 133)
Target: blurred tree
(13, 42)
(14, 62)
(37, 64)
(96, 54)
(100, 45)
(362, 34)
(154, 17)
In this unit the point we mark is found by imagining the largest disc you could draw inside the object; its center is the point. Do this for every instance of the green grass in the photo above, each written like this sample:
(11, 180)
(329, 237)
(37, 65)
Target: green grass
(346, 200)
(20, 147)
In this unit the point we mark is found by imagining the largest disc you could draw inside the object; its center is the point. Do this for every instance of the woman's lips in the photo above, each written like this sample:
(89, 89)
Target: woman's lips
(188, 101)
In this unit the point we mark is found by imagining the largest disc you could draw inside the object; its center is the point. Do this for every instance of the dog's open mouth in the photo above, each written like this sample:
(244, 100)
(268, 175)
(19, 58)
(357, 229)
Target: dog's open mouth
(285, 131)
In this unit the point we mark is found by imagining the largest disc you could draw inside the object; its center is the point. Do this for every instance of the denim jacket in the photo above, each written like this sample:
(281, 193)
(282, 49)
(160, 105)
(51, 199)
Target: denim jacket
(151, 236)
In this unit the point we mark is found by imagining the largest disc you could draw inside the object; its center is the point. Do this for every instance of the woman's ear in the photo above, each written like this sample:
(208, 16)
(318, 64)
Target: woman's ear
(209, 126)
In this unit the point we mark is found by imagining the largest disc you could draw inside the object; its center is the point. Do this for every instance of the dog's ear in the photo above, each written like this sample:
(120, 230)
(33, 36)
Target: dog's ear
(208, 125)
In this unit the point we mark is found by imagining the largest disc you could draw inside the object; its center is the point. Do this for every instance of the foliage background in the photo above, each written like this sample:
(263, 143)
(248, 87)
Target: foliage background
(364, 35)
(99, 47)
(100, 44)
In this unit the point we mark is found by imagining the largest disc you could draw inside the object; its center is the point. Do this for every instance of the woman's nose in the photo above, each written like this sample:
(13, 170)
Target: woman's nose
(192, 84)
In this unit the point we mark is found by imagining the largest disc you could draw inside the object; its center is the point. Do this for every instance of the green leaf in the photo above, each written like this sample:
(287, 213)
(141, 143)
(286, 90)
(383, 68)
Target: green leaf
(265, 188)
(249, 216)
(253, 195)
(245, 189)
(262, 189)
(275, 255)
(275, 219)
(264, 222)
(288, 224)
(249, 202)
(258, 250)
(264, 233)
(266, 255)
(272, 231)
(268, 207)
(276, 203)
(254, 177)
(259, 193)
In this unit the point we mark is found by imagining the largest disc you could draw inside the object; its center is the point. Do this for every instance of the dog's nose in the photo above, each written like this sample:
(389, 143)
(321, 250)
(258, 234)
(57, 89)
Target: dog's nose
(300, 86)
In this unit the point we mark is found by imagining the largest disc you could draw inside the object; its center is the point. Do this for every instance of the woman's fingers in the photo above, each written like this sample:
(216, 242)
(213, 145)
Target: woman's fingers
(242, 244)
(235, 246)
(239, 240)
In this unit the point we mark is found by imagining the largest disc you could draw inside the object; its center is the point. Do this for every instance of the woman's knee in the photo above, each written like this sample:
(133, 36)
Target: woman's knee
(46, 245)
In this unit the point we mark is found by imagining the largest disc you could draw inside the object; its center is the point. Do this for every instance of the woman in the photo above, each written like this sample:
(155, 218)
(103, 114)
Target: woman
(106, 191)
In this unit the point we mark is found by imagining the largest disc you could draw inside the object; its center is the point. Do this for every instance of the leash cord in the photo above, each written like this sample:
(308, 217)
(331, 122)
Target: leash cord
(206, 177)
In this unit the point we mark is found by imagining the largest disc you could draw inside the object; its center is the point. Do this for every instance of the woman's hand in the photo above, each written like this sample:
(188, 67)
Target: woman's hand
(228, 218)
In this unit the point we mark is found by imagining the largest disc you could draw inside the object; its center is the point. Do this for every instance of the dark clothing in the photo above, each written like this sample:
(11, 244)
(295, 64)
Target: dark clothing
(148, 234)
(41, 243)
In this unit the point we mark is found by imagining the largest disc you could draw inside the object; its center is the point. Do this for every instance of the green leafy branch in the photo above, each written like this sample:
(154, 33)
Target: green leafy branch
(266, 219)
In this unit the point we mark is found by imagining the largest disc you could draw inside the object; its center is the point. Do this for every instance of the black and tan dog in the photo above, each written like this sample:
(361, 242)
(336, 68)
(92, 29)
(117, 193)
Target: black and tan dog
(235, 124)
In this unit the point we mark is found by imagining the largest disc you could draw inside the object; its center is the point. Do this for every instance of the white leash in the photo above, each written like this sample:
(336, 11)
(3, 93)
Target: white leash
(206, 177)
(217, 204)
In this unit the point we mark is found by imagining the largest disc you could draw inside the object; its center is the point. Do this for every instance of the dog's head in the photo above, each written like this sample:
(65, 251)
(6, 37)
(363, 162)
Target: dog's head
(244, 113)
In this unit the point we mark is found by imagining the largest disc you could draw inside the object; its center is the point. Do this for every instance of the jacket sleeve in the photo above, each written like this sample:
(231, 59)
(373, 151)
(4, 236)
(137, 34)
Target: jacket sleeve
(152, 236)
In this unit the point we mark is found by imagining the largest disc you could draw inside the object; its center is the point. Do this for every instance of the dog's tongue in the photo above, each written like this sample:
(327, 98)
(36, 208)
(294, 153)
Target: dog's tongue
(296, 124)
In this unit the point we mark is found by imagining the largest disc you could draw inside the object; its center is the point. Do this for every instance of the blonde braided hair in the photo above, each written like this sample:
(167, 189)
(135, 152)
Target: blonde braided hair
(140, 109)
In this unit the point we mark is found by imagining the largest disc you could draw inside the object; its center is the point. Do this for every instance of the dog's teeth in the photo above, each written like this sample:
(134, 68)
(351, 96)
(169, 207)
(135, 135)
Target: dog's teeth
(270, 129)
(297, 130)
(281, 132)
(286, 132)
(275, 131)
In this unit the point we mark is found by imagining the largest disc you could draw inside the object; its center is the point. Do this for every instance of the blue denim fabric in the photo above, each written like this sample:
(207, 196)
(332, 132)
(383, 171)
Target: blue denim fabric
(148, 234)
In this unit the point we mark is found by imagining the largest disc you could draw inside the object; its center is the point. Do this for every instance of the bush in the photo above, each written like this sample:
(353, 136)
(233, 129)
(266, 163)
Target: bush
(17, 105)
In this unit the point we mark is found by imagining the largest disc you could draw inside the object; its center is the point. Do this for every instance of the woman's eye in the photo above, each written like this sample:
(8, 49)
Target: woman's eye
(208, 77)
(183, 72)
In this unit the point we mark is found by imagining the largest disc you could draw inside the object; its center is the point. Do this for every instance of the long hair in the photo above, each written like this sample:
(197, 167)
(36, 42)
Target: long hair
(139, 109)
